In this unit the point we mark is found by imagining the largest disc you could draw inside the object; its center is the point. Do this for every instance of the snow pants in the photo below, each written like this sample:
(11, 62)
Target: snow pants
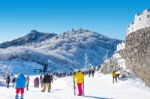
(7, 85)
(114, 79)
(46, 85)
(27, 86)
(80, 89)
(20, 90)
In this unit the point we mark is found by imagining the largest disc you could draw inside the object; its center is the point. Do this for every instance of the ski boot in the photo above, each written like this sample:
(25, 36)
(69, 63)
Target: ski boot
(21, 97)
(16, 97)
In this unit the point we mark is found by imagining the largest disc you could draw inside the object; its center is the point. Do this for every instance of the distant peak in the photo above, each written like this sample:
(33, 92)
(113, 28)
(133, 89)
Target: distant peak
(80, 30)
(33, 31)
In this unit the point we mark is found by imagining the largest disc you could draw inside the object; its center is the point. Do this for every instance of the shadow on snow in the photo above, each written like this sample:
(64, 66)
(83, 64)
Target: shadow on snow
(95, 97)
(2, 84)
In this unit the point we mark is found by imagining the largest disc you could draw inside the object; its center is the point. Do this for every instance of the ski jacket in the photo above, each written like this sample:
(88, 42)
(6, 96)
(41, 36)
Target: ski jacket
(79, 77)
(20, 81)
(8, 79)
(14, 80)
(47, 78)
(114, 73)
(36, 80)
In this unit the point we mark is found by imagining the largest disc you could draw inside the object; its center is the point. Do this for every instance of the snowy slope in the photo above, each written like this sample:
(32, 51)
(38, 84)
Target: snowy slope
(19, 66)
(65, 51)
(100, 87)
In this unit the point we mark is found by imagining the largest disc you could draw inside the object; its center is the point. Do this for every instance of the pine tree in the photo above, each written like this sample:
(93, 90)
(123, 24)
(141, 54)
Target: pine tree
(87, 64)
(6, 69)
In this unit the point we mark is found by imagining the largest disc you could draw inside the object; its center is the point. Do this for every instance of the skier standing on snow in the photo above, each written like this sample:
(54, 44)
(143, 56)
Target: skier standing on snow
(20, 85)
(93, 72)
(114, 76)
(13, 81)
(41, 80)
(47, 82)
(79, 79)
(36, 82)
(27, 84)
(8, 80)
(89, 72)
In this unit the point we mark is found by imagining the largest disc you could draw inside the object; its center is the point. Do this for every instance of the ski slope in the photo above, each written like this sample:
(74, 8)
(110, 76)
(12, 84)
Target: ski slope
(99, 87)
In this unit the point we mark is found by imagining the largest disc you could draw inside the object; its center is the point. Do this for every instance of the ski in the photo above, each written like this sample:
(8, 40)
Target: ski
(74, 87)
(83, 87)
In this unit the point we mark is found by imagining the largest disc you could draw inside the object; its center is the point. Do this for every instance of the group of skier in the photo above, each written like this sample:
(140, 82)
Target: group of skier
(9, 80)
(90, 72)
(21, 82)
(78, 80)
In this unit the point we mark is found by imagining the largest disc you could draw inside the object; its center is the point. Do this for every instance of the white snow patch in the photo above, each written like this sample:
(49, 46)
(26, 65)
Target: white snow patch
(99, 87)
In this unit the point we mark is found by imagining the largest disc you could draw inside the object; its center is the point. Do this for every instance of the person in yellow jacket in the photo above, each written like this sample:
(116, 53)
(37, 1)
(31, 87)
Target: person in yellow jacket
(114, 76)
(78, 77)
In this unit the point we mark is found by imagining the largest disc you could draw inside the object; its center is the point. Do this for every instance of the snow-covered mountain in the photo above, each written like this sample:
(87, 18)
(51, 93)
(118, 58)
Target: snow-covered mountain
(32, 37)
(64, 52)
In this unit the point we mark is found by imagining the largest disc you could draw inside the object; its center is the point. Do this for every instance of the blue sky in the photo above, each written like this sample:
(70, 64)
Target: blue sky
(108, 17)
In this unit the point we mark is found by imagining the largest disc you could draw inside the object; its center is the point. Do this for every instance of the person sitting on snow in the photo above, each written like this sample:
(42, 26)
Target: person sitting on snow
(79, 79)
(20, 85)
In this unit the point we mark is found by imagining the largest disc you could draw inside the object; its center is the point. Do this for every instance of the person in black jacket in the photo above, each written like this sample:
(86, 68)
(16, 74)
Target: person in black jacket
(13, 81)
(47, 82)
(8, 81)
(93, 72)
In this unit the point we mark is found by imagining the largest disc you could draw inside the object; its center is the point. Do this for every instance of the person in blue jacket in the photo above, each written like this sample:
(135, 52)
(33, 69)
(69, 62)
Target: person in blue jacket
(20, 85)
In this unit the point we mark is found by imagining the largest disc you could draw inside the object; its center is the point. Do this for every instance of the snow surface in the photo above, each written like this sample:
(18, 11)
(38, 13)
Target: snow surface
(99, 87)
(16, 67)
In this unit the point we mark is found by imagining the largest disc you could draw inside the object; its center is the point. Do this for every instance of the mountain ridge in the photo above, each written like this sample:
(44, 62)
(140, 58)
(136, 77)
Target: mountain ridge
(32, 37)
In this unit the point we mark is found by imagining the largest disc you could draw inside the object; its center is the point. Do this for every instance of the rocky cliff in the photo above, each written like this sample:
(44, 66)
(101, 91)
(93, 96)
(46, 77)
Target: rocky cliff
(137, 53)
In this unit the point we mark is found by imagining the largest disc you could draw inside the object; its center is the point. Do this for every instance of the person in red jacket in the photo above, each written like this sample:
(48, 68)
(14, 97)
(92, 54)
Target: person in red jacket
(36, 82)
